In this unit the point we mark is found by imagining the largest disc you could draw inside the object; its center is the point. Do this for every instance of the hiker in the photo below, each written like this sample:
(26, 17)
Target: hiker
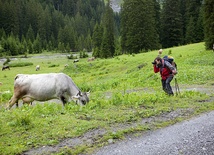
(167, 72)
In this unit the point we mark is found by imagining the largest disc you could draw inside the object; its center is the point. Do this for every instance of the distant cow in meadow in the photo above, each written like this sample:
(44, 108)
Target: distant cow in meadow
(44, 87)
(76, 60)
(91, 59)
(5, 67)
(37, 67)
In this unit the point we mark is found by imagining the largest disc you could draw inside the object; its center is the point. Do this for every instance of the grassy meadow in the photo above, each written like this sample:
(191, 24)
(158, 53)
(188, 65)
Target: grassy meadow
(121, 93)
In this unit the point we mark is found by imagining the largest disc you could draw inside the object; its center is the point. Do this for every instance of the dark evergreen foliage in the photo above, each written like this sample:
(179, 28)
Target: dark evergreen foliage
(31, 26)
(209, 23)
(171, 24)
(193, 22)
(138, 26)
(97, 39)
(108, 44)
(64, 25)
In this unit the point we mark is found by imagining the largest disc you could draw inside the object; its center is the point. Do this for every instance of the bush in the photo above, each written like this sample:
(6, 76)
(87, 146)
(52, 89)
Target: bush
(7, 61)
(21, 64)
(54, 65)
(83, 54)
(72, 57)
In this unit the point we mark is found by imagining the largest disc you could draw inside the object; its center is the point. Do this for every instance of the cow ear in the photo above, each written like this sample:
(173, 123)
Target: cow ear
(88, 93)
(79, 93)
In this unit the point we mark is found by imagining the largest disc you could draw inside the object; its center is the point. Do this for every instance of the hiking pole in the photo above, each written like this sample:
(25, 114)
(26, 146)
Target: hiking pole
(177, 87)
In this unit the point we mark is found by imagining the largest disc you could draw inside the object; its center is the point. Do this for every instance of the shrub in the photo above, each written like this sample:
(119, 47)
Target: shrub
(21, 64)
(7, 61)
(54, 65)
(72, 57)
(83, 54)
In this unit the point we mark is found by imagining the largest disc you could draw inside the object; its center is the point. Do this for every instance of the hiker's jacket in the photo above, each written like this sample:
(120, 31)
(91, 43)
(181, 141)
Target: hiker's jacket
(165, 70)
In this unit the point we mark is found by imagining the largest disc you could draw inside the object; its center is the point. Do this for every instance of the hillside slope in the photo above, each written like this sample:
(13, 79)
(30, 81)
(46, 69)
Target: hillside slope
(125, 99)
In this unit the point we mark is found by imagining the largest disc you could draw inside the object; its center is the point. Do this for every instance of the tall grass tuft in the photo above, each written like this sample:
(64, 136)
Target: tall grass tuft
(21, 118)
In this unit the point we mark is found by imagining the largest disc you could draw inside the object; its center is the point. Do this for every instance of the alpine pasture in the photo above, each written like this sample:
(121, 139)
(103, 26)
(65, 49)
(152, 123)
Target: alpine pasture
(121, 92)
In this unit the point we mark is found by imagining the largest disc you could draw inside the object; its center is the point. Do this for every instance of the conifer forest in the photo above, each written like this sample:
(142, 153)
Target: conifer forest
(66, 26)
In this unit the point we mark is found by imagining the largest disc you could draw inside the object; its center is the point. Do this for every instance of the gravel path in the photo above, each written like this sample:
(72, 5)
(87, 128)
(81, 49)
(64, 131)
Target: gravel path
(192, 137)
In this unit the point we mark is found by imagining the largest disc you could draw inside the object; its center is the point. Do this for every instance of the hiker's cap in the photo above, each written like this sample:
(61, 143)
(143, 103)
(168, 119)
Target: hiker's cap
(160, 50)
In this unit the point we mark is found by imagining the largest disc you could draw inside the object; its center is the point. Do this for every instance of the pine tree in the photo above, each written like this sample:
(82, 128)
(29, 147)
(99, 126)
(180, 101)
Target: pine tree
(182, 6)
(47, 18)
(200, 26)
(209, 23)
(138, 26)
(88, 43)
(7, 18)
(157, 11)
(68, 7)
(108, 45)
(171, 24)
(37, 44)
(192, 17)
(11, 45)
(30, 34)
(97, 39)
(190, 31)
(2, 34)
(44, 26)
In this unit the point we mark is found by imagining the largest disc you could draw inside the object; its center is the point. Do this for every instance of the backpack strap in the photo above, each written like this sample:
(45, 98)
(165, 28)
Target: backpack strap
(163, 65)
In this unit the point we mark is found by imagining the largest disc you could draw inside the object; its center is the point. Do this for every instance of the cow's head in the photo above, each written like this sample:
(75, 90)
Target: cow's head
(81, 98)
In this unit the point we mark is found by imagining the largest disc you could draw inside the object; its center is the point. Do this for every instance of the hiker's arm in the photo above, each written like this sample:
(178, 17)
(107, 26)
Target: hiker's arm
(156, 69)
(172, 68)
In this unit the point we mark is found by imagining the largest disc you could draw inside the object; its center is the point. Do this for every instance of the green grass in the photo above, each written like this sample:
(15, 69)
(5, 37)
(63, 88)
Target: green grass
(22, 64)
(120, 94)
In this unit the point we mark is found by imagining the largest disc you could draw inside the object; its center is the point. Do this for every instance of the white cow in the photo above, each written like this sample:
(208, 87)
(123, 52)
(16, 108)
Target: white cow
(91, 59)
(76, 60)
(43, 87)
(37, 67)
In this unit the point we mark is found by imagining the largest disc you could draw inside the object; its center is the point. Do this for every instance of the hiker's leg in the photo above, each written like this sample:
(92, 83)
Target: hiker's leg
(164, 85)
(168, 86)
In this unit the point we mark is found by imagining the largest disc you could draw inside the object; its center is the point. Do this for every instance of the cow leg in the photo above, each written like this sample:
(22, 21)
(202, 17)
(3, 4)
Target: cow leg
(63, 99)
(17, 104)
(12, 101)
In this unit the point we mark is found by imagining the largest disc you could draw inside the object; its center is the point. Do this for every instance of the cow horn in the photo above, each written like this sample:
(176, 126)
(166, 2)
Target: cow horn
(75, 97)
(88, 93)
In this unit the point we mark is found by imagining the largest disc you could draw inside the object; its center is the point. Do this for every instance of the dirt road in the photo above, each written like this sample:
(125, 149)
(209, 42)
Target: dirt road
(190, 137)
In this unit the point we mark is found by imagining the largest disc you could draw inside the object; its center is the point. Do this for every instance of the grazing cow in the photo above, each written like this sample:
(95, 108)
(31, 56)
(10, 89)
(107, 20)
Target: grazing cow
(66, 65)
(5, 67)
(76, 60)
(37, 67)
(91, 59)
(43, 87)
